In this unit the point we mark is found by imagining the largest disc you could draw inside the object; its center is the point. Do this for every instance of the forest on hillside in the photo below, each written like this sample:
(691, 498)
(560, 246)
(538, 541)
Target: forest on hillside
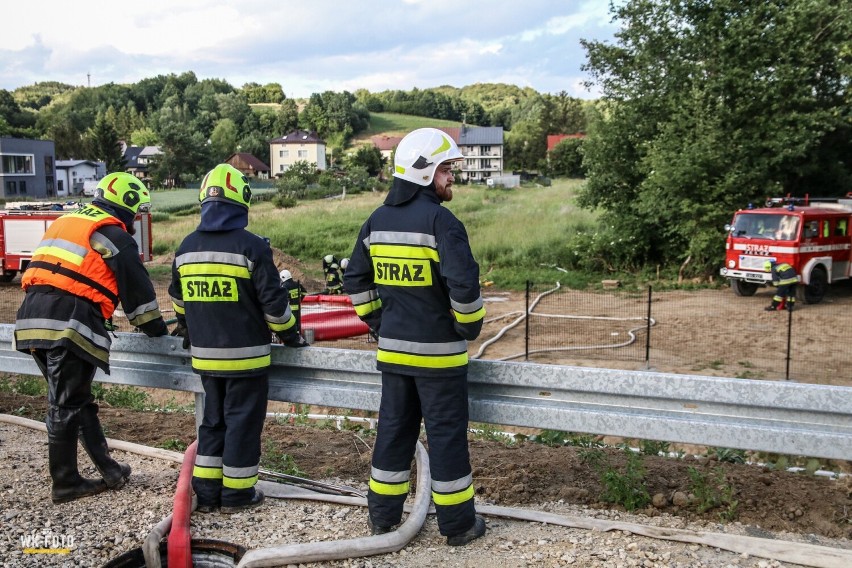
(198, 123)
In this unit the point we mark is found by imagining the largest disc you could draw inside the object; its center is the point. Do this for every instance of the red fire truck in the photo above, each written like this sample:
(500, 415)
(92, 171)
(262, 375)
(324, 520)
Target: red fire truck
(22, 226)
(811, 235)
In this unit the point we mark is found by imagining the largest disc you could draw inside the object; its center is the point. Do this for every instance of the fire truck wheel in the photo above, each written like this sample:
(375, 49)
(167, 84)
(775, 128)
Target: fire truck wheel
(743, 288)
(7, 276)
(815, 289)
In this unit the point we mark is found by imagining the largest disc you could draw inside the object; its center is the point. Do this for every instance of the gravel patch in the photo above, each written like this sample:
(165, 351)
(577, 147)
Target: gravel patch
(98, 529)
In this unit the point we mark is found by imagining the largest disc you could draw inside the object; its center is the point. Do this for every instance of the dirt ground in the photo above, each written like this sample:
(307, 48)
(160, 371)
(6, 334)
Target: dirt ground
(528, 473)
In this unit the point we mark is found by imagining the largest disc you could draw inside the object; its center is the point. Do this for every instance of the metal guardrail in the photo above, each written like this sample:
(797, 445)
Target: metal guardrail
(780, 417)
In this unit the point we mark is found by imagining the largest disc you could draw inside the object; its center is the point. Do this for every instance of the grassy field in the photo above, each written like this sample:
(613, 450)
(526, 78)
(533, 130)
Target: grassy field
(392, 124)
(515, 233)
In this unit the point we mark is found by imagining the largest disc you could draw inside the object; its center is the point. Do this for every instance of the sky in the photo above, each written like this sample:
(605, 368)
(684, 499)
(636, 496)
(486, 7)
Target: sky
(307, 46)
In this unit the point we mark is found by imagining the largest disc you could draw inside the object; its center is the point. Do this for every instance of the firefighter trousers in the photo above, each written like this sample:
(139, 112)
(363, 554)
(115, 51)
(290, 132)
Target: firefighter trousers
(228, 456)
(69, 390)
(72, 411)
(442, 404)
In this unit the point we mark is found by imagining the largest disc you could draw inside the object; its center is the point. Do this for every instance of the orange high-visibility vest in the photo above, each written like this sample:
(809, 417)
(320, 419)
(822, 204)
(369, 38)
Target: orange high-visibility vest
(66, 260)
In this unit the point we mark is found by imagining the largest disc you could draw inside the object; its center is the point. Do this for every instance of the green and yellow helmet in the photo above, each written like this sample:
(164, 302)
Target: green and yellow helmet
(123, 190)
(225, 183)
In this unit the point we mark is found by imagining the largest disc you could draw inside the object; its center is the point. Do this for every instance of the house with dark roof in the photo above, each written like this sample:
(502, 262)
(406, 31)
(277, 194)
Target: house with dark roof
(249, 165)
(138, 161)
(70, 175)
(482, 147)
(296, 146)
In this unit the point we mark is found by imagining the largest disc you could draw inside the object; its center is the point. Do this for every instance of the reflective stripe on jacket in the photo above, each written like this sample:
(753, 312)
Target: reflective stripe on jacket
(413, 277)
(783, 275)
(226, 290)
(66, 260)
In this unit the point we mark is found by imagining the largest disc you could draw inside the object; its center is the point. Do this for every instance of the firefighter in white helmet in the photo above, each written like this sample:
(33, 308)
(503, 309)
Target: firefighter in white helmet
(295, 292)
(331, 269)
(413, 279)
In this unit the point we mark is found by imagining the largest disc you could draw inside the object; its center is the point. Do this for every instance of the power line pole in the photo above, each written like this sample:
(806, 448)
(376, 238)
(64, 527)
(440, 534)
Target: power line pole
(89, 80)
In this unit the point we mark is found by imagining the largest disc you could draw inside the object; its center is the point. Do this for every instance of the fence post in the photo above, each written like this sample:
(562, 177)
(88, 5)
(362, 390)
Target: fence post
(789, 337)
(527, 323)
(648, 332)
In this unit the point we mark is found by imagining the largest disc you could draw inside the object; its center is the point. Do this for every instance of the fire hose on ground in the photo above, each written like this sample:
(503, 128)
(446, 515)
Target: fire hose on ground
(784, 551)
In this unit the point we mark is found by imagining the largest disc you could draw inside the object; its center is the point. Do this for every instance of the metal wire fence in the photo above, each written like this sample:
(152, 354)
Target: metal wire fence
(705, 332)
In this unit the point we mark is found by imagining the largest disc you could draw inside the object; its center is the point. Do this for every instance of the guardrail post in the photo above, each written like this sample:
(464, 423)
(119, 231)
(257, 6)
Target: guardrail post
(648, 332)
(527, 323)
(789, 339)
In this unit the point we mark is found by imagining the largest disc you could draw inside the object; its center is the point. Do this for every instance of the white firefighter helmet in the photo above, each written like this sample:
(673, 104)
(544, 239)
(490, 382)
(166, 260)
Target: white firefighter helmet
(328, 259)
(285, 275)
(421, 152)
(344, 263)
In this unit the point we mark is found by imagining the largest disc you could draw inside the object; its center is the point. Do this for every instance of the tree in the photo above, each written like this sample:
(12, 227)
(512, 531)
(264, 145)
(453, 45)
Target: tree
(368, 157)
(566, 158)
(223, 140)
(708, 106)
(102, 143)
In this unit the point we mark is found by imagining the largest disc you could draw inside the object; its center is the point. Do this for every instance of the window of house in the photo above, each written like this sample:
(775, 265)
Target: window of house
(22, 187)
(303, 153)
(281, 167)
(485, 150)
(11, 188)
(19, 164)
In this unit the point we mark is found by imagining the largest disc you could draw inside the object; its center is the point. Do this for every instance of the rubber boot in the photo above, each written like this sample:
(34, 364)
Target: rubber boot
(473, 533)
(92, 438)
(68, 484)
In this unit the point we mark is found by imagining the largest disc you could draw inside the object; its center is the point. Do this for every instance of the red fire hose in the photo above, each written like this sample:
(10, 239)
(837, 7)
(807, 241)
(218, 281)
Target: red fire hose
(179, 547)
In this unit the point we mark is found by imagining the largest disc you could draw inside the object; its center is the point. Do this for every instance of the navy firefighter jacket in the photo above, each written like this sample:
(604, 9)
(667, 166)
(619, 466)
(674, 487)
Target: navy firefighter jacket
(226, 291)
(413, 279)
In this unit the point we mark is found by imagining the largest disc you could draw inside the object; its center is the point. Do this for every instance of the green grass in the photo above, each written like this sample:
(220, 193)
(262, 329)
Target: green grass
(175, 200)
(516, 234)
(392, 124)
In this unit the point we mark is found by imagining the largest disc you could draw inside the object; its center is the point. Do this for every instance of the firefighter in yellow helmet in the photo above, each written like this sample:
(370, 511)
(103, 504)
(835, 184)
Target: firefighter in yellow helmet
(86, 264)
(227, 297)
(413, 279)
(784, 278)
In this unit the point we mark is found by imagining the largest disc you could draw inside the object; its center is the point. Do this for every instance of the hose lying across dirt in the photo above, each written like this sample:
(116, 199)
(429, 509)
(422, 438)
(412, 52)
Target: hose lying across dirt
(784, 551)
(523, 315)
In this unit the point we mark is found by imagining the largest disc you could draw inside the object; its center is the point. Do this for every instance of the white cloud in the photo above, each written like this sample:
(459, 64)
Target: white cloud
(305, 46)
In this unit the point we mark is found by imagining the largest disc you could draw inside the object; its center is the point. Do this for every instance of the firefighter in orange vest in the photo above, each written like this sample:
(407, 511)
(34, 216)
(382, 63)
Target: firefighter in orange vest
(86, 263)
(785, 279)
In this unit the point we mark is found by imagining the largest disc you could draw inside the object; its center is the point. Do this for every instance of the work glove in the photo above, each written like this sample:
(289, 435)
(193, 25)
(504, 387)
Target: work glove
(292, 340)
(181, 331)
